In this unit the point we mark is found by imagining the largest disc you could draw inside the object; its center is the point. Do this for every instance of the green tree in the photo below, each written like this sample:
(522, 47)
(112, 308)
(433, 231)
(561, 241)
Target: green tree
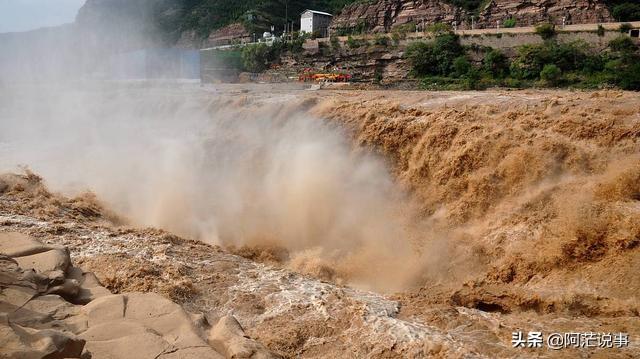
(551, 74)
(623, 44)
(495, 63)
(531, 59)
(625, 28)
(461, 66)
(421, 57)
(258, 57)
(629, 77)
(626, 12)
(435, 58)
(446, 49)
(546, 31)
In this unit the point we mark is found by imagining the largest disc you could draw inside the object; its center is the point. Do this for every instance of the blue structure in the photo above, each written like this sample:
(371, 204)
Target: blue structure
(149, 64)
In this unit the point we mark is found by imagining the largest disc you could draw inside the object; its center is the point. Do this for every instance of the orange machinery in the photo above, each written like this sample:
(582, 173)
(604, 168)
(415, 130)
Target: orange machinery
(309, 76)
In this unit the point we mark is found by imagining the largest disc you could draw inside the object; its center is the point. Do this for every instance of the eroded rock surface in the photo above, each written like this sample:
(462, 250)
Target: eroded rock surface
(38, 318)
(385, 15)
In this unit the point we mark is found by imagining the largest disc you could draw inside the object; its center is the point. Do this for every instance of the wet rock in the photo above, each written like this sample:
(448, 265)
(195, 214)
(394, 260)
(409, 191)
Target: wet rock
(15, 244)
(22, 342)
(228, 337)
(52, 260)
(144, 323)
(90, 287)
(142, 344)
(40, 316)
(105, 309)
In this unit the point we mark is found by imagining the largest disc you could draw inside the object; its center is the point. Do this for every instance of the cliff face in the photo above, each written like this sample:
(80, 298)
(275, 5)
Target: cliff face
(536, 11)
(384, 15)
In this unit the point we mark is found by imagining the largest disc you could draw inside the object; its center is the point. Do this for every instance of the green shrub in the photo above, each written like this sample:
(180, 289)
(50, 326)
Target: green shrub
(495, 63)
(446, 49)
(529, 62)
(531, 58)
(551, 74)
(509, 23)
(624, 72)
(354, 43)
(421, 57)
(439, 28)
(513, 83)
(362, 27)
(378, 77)
(546, 31)
(473, 79)
(404, 29)
(623, 44)
(461, 66)
(335, 43)
(601, 31)
(342, 31)
(630, 77)
(626, 12)
(613, 66)
(593, 64)
(381, 40)
(296, 45)
(395, 37)
(258, 57)
(625, 28)
(434, 58)
(567, 56)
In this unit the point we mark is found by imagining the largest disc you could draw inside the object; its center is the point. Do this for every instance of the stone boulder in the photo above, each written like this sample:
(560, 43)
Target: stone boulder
(48, 308)
(228, 337)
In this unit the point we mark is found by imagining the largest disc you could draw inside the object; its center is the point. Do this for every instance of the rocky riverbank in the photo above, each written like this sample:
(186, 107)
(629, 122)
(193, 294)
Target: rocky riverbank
(52, 309)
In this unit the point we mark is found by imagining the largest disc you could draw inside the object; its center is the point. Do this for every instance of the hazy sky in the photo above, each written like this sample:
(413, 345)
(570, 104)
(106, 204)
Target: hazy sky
(23, 15)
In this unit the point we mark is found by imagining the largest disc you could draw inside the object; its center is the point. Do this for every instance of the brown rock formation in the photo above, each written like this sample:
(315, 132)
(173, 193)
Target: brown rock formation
(532, 12)
(384, 15)
(228, 35)
(38, 317)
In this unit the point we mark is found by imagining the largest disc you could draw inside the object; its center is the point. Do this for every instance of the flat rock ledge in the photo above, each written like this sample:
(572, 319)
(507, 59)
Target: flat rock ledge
(51, 309)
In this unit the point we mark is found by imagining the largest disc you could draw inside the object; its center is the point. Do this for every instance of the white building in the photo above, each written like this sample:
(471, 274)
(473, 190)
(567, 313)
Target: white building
(315, 22)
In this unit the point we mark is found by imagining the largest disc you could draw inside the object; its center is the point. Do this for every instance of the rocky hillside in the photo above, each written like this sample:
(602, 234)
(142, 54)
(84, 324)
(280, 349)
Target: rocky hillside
(384, 15)
(191, 21)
